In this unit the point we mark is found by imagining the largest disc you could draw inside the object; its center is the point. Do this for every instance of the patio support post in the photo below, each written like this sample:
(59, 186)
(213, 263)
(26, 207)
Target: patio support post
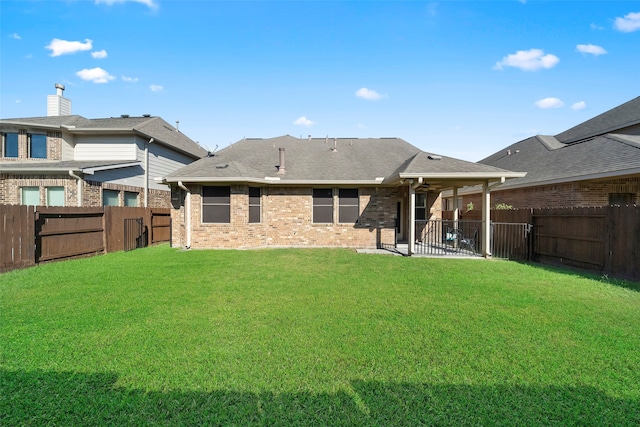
(412, 218)
(486, 219)
(456, 216)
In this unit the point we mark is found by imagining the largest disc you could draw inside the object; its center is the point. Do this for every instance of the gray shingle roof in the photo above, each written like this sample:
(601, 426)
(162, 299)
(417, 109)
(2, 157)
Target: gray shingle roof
(627, 114)
(314, 160)
(601, 156)
(151, 127)
(589, 150)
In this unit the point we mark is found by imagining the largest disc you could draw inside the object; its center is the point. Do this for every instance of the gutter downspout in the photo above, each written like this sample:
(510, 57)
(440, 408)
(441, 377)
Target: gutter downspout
(187, 213)
(79, 190)
(146, 172)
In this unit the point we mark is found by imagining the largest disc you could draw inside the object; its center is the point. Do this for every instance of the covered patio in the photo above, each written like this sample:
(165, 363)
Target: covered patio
(435, 236)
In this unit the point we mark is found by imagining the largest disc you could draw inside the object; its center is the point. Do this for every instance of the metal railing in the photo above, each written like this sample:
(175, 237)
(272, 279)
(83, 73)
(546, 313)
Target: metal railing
(464, 238)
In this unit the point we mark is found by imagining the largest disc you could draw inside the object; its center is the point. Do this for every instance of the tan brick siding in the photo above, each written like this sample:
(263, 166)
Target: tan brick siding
(11, 185)
(592, 193)
(286, 216)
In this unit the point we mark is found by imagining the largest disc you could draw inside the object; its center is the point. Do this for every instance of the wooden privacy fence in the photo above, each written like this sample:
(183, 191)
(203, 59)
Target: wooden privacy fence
(30, 235)
(602, 239)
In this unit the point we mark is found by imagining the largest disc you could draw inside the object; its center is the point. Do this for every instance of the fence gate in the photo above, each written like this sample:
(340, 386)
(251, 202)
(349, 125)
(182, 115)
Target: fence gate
(511, 240)
(135, 234)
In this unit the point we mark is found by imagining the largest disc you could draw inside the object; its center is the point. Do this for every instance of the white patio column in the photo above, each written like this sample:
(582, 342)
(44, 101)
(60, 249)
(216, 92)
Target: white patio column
(486, 219)
(456, 217)
(412, 218)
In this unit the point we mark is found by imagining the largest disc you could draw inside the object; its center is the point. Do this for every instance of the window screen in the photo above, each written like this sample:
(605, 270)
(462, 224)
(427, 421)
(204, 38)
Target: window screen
(110, 198)
(216, 204)
(55, 196)
(621, 199)
(323, 205)
(30, 196)
(38, 146)
(349, 205)
(254, 204)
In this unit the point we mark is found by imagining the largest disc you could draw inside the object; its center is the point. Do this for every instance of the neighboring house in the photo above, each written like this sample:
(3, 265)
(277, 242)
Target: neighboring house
(68, 160)
(290, 192)
(596, 163)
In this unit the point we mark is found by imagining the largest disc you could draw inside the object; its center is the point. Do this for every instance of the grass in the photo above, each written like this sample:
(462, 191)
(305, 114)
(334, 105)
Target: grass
(314, 337)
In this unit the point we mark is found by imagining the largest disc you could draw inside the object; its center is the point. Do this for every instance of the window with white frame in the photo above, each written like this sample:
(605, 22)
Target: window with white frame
(110, 198)
(30, 196)
(10, 145)
(37, 146)
(130, 199)
(55, 196)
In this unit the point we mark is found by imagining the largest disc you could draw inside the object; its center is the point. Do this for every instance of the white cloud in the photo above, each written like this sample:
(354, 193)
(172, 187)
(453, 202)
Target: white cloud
(129, 79)
(156, 88)
(150, 3)
(15, 36)
(64, 47)
(628, 24)
(591, 48)
(549, 103)
(528, 60)
(579, 106)
(99, 54)
(596, 27)
(95, 75)
(369, 94)
(303, 121)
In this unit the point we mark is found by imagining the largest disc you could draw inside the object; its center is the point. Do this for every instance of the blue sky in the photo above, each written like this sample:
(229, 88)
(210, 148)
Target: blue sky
(457, 78)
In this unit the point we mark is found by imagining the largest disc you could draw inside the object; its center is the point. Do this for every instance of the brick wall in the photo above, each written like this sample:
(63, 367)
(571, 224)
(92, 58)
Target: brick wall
(286, 221)
(11, 185)
(575, 194)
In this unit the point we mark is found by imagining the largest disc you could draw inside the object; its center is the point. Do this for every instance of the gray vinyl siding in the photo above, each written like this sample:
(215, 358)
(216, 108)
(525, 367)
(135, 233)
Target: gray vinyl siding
(162, 162)
(133, 176)
(105, 148)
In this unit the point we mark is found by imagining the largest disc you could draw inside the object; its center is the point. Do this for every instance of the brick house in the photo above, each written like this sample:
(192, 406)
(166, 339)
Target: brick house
(595, 163)
(68, 160)
(315, 192)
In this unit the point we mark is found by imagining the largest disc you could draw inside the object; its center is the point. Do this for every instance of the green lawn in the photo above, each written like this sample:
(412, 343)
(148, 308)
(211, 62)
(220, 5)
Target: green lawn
(159, 336)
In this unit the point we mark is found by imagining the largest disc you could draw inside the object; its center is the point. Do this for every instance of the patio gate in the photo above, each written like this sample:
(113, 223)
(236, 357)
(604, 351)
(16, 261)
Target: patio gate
(135, 234)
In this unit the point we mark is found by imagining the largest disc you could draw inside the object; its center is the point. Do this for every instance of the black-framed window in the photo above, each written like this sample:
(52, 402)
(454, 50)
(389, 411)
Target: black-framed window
(421, 206)
(10, 145)
(254, 204)
(216, 204)
(37, 146)
(348, 205)
(322, 206)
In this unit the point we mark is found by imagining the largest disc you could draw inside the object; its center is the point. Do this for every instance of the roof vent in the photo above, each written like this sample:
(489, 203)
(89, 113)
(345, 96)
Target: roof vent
(124, 116)
(434, 157)
(146, 115)
(222, 165)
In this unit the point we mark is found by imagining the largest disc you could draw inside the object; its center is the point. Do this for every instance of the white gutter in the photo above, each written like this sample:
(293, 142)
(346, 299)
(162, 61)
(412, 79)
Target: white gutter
(79, 190)
(187, 213)
(146, 172)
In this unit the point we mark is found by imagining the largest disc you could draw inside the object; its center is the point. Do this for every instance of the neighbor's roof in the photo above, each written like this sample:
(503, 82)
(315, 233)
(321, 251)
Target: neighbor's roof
(548, 163)
(586, 151)
(612, 121)
(147, 126)
(314, 161)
